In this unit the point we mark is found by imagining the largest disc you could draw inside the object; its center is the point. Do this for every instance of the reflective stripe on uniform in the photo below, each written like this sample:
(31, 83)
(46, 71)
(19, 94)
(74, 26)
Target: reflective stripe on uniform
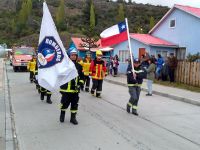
(134, 107)
(135, 84)
(129, 104)
(73, 111)
(68, 90)
(42, 89)
(49, 93)
(99, 92)
(81, 81)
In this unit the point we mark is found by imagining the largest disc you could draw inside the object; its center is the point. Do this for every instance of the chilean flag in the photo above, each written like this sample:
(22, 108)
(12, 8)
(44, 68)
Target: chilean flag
(114, 35)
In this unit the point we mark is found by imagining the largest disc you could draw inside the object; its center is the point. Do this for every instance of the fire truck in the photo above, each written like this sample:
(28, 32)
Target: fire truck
(21, 56)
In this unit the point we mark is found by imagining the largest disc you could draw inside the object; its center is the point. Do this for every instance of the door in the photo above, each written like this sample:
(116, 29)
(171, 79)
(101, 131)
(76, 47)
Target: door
(142, 51)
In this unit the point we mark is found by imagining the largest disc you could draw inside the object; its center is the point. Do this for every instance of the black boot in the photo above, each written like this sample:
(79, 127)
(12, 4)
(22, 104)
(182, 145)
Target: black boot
(98, 95)
(92, 92)
(62, 116)
(73, 119)
(134, 111)
(128, 108)
(49, 99)
(42, 96)
(86, 89)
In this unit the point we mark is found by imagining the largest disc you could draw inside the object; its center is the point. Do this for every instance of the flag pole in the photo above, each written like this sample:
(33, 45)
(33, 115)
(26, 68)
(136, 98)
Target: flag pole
(129, 44)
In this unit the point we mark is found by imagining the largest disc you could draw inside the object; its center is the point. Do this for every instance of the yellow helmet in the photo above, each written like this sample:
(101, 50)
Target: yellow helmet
(98, 52)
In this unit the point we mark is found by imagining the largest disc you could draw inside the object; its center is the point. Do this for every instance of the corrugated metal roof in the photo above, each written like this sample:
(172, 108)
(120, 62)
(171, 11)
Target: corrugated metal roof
(151, 40)
(192, 10)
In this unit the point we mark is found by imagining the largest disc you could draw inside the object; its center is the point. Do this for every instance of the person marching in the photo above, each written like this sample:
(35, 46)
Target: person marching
(36, 78)
(98, 72)
(134, 80)
(70, 91)
(86, 71)
(31, 68)
(45, 92)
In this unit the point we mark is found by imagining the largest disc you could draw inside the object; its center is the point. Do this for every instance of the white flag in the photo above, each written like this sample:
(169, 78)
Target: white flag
(54, 66)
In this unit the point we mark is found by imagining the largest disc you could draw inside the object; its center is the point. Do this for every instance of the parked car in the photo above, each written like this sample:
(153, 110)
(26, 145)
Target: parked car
(21, 56)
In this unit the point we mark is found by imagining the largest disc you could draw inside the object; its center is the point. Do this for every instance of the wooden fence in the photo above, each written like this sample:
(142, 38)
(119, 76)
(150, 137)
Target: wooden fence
(188, 73)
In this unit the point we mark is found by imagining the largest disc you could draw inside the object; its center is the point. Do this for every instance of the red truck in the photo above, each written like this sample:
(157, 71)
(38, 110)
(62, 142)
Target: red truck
(21, 56)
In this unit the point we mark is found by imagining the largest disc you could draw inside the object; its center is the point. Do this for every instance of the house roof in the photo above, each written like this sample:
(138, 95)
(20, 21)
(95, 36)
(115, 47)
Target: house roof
(77, 41)
(188, 9)
(151, 40)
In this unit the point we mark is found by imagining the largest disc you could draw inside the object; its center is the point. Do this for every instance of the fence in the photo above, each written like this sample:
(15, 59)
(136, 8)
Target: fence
(188, 73)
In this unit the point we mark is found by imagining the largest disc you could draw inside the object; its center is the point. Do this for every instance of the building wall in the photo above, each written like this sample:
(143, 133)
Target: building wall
(135, 45)
(164, 51)
(186, 32)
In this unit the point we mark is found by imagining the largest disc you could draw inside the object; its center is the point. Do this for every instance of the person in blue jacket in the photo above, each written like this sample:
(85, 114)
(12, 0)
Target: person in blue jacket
(159, 65)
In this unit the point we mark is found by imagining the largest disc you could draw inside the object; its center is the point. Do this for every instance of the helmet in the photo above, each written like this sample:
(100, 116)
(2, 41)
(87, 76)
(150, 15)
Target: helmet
(136, 60)
(70, 51)
(98, 52)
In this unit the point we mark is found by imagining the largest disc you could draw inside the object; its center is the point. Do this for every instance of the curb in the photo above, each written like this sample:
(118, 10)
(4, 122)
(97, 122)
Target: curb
(173, 97)
(10, 126)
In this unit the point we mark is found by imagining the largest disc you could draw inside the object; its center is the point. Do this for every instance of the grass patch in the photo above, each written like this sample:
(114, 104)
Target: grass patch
(178, 85)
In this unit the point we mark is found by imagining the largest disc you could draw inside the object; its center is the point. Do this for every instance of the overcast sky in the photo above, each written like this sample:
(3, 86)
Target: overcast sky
(170, 3)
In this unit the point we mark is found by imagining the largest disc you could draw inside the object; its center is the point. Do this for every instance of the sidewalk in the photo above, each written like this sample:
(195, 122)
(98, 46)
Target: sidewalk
(170, 92)
(2, 108)
(6, 126)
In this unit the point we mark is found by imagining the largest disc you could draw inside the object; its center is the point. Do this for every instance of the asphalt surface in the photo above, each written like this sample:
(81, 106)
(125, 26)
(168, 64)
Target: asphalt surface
(162, 124)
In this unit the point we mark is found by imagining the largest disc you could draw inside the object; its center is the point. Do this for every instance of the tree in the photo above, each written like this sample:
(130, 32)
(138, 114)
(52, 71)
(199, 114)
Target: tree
(92, 16)
(129, 1)
(23, 16)
(140, 30)
(120, 1)
(60, 16)
(121, 14)
(193, 57)
(152, 23)
(90, 40)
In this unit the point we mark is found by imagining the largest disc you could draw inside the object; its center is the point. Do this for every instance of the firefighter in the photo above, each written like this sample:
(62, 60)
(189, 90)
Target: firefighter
(31, 68)
(36, 78)
(134, 79)
(86, 70)
(98, 72)
(70, 91)
(46, 92)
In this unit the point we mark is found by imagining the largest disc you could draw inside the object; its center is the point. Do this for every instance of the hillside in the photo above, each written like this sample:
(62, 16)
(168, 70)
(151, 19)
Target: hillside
(75, 18)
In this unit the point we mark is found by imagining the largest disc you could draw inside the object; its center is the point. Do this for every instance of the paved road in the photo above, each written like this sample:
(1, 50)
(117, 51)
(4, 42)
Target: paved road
(163, 124)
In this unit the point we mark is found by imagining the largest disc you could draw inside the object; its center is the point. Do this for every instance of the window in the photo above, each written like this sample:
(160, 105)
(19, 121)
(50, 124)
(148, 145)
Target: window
(172, 23)
(163, 53)
(123, 55)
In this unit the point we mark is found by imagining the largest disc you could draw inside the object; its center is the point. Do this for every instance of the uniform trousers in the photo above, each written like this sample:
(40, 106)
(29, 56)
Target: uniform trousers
(69, 98)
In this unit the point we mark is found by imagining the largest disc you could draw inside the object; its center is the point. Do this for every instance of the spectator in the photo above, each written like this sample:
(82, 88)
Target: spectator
(144, 60)
(165, 71)
(150, 76)
(111, 65)
(172, 61)
(159, 65)
(115, 65)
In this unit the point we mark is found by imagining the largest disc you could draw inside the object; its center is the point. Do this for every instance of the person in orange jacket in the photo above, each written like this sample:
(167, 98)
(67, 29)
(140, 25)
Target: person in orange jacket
(86, 71)
(98, 73)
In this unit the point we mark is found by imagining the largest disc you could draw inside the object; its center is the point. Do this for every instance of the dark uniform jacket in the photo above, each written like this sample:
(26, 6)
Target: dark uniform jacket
(73, 86)
(140, 75)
